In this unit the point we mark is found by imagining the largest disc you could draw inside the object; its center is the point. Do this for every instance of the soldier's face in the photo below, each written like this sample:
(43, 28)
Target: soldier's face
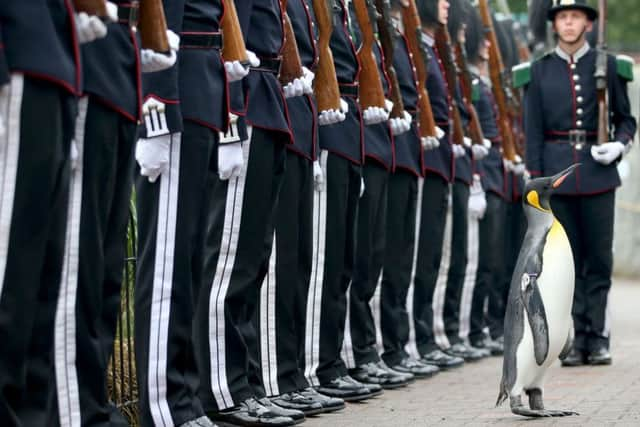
(483, 53)
(443, 11)
(571, 25)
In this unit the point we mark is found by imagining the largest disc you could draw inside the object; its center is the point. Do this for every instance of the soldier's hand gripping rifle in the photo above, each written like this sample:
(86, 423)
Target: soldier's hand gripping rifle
(387, 35)
(443, 44)
(413, 33)
(466, 83)
(371, 91)
(291, 66)
(233, 47)
(496, 72)
(325, 84)
(601, 74)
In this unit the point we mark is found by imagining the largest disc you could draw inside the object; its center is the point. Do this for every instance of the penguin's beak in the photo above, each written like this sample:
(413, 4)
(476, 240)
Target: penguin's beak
(558, 179)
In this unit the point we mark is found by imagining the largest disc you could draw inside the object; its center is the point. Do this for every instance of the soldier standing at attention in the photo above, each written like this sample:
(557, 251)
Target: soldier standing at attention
(561, 125)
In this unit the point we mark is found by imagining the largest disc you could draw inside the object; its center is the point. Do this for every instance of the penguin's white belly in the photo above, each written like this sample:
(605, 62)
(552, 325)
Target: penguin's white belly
(556, 284)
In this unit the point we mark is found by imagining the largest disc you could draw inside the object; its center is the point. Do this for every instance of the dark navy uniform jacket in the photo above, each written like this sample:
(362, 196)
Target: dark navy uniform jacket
(345, 139)
(560, 97)
(199, 91)
(302, 109)
(261, 22)
(440, 160)
(408, 147)
(4, 68)
(111, 68)
(39, 38)
(490, 168)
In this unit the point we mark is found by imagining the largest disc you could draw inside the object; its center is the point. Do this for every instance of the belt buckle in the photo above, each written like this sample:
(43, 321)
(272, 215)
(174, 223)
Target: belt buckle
(133, 14)
(578, 138)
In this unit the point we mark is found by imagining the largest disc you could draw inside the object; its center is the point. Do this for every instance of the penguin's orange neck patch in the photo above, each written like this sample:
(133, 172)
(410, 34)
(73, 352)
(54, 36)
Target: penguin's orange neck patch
(534, 200)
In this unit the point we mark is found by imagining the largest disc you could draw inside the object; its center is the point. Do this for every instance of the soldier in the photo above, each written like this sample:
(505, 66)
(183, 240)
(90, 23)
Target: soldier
(41, 73)
(286, 287)
(401, 219)
(562, 133)
(178, 159)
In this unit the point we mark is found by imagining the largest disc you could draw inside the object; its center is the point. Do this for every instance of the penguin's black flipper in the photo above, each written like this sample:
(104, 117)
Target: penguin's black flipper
(534, 307)
(568, 345)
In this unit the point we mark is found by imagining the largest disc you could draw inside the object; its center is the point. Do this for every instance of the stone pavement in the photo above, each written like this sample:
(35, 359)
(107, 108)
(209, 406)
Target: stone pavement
(604, 396)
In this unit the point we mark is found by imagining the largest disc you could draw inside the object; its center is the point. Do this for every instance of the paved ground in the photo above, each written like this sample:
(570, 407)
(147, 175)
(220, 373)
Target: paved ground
(604, 396)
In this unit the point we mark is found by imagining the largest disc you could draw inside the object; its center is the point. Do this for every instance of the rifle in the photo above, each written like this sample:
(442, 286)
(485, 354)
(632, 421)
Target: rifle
(152, 26)
(443, 44)
(91, 7)
(466, 83)
(325, 84)
(233, 47)
(387, 35)
(291, 66)
(601, 74)
(496, 68)
(371, 91)
(413, 32)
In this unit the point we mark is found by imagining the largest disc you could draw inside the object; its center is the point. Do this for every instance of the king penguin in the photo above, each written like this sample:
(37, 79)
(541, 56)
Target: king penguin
(538, 326)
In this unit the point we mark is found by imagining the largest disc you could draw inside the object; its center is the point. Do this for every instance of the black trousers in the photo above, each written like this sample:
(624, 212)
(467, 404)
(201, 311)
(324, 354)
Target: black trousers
(34, 190)
(589, 221)
(493, 231)
(458, 261)
(239, 243)
(402, 202)
(343, 193)
(433, 217)
(283, 308)
(172, 215)
(370, 246)
(89, 302)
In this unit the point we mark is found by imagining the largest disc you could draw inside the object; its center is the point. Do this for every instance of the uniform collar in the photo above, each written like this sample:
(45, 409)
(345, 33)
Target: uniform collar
(576, 56)
(426, 38)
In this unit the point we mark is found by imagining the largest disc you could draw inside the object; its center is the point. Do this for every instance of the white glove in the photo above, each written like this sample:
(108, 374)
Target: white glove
(479, 151)
(439, 132)
(89, 28)
(318, 177)
(400, 125)
(430, 142)
(330, 117)
(152, 61)
(487, 143)
(307, 77)
(508, 165)
(235, 71)
(518, 169)
(477, 200)
(230, 160)
(388, 105)
(152, 154)
(373, 115)
(466, 141)
(295, 88)
(608, 152)
(254, 61)
(458, 151)
(362, 187)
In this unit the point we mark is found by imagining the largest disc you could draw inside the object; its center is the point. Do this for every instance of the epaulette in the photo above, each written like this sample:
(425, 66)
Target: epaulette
(521, 74)
(624, 67)
(475, 90)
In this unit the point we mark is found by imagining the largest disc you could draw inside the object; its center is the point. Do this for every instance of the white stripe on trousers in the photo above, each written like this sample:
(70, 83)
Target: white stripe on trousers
(221, 280)
(65, 321)
(162, 287)
(441, 285)
(473, 241)
(411, 347)
(314, 297)
(10, 110)
(268, 343)
(346, 353)
(376, 310)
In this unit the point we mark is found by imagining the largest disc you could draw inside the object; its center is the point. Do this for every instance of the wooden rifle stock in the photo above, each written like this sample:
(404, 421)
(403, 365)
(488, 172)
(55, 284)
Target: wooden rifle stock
(496, 68)
(371, 91)
(233, 47)
(152, 26)
(601, 74)
(291, 66)
(466, 82)
(325, 83)
(91, 7)
(413, 31)
(443, 44)
(387, 35)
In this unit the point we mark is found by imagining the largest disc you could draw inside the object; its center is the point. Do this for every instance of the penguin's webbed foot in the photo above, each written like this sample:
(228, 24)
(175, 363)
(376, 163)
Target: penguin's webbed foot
(540, 413)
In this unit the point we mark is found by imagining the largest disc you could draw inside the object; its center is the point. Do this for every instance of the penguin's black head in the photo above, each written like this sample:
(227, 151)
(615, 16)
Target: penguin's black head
(538, 191)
